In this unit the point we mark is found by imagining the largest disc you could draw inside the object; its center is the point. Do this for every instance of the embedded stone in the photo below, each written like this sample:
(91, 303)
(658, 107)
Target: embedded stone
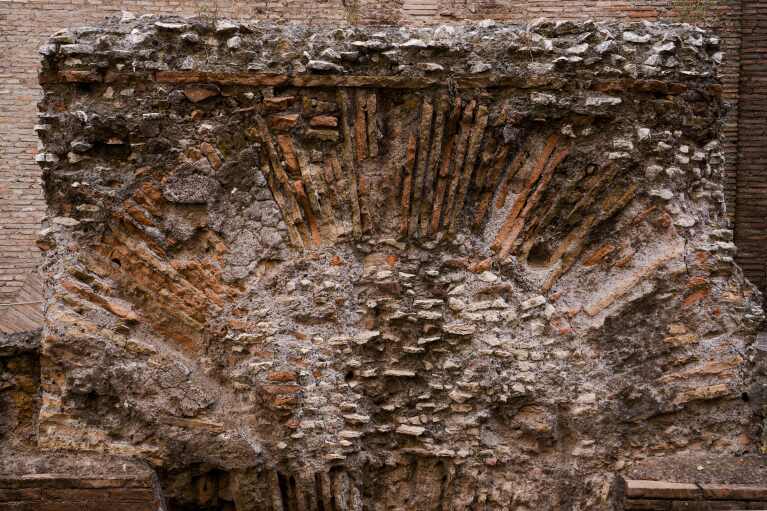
(65, 221)
(602, 100)
(533, 302)
(459, 397)
(578, 49)
(198, 93)
(430, 67)
(173, 27)
(633, 37)
(480, 67)
(459, 328)
(330, 54)
(356, 418)
(399, 373)
(604, 47)
(225, 26)
(406, 429)
(413, 43)
(324, 65)
(234, 43)
(323, 135)
(365, 337)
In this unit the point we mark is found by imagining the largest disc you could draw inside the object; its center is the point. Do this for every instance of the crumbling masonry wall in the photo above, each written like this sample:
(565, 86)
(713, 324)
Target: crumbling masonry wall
(25, 25)
(298, 267)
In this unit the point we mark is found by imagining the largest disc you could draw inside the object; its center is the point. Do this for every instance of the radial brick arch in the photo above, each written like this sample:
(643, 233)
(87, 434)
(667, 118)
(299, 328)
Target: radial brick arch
(448, 163)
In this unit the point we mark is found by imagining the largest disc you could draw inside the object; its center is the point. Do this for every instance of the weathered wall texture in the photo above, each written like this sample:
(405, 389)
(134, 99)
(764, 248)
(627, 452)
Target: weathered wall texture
(24, 25)
(392, 268)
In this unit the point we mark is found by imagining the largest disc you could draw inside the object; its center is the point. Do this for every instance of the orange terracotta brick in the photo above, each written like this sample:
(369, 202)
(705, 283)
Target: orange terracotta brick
(599, 254)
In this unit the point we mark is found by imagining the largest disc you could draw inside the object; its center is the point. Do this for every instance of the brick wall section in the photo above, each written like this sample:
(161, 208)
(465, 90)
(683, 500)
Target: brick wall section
(55, 492)
(751, 222)
(668, 496)
(25, 23)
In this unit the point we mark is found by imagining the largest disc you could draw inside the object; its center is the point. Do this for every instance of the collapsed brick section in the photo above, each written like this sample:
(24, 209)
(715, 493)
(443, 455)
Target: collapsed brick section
(387, 268)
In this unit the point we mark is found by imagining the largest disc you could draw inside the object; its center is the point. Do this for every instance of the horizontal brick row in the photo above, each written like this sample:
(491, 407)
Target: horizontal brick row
(670, 496)
(54, 492)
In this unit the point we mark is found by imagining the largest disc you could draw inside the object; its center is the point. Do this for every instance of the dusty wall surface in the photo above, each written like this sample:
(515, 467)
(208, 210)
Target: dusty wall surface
(26, 24)
(392, 268)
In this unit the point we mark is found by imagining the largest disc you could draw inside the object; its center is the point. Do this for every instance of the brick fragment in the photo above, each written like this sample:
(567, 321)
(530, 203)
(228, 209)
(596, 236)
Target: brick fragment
(283, 121)
(323, 121)
(198, 93)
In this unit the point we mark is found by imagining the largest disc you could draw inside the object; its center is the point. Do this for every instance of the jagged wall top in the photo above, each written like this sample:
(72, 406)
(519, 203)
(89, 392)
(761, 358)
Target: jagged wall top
(484, 50)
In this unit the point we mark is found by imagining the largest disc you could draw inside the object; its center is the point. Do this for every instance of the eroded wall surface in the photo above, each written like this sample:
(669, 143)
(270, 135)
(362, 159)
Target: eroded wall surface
(300, 267)
(24, 26)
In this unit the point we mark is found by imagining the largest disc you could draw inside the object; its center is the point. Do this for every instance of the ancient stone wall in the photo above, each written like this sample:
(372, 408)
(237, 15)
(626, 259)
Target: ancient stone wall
(308, 267)
(24, 26)
(751, 231)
